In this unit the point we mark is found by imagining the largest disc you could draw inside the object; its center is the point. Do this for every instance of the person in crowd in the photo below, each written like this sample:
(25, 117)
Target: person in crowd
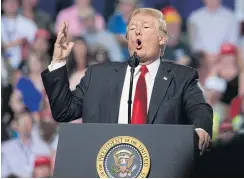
(57, 6)
(208, 28)
(74, 16)
(212, 25)
(79, 62)
(95, 38)
(15, 40)
(40, 18)
(28, 90)
(41, 44)
(176, 50)
(46, 129)
(6, 90)
(117, 23)
(226, 132)
(226, 67)
(229, 70)
(18, 154)
(236, 114)
(223, 83)
(42, 167)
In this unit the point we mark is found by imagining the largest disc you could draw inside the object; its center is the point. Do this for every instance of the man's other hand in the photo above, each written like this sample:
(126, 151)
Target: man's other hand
(204, 140)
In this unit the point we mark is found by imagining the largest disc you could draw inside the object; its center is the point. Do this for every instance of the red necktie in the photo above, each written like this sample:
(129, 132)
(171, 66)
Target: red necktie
(139, 114)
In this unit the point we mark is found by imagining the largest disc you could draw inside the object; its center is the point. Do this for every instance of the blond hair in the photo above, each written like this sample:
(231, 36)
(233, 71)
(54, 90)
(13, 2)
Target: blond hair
(154, 13)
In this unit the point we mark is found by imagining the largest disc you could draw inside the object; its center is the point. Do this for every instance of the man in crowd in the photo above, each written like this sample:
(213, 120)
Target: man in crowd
(42, 167)
(14, 38)
(74, 16)
(42, 19)
(209, 27)
(117, 23)
(177, 51)
(96, 38)
(18, 154)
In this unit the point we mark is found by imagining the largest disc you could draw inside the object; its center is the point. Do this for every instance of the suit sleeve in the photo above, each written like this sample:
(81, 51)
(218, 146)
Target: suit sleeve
(66, 105)
(199, 113)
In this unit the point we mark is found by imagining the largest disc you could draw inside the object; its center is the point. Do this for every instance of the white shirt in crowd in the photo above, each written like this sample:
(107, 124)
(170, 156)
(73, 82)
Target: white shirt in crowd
(106, 40)
(18, 159)
(13, 29)
(213, 28)
(150, 78)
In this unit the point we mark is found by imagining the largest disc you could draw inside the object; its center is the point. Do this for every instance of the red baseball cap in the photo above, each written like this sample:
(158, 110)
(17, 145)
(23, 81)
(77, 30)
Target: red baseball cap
(171, 14)
(43, 33)
(42, 160)
(228, 49)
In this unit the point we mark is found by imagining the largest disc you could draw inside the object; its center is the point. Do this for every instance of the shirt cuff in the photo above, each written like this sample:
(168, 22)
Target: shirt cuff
(200, 129)
(55, 65)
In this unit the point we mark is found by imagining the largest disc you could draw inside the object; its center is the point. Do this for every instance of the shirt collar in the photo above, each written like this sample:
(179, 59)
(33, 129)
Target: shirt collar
(152, 68)
(26, 145)
(214, 12)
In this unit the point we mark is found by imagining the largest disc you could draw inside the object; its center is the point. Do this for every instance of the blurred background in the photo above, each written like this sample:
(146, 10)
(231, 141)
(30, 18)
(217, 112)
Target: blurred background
(205, 34)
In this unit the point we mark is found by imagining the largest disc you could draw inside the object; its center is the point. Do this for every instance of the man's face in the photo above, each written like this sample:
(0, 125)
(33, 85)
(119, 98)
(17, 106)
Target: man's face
(144, 37)
(228, 66)
(25, 125)
(174, 32)
(80, 52)
(10, 6)
(83, 3)
(42, 172)
(41, 45)
(34, 64)
(212, 4)
(89, 23)
(31, 3)
(126, 8)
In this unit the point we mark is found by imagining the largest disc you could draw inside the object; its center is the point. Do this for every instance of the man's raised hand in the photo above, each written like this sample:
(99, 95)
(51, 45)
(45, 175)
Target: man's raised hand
(62, 47)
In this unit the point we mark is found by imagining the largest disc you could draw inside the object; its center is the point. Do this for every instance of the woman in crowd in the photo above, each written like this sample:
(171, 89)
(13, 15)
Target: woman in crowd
(28, 89)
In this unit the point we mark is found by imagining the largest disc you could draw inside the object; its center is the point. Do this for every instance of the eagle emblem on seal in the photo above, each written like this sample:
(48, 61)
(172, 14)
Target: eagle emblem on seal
(123, 160)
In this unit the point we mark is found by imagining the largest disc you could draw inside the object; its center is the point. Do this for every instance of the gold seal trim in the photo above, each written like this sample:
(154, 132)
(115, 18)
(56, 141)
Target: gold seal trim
(123, 140)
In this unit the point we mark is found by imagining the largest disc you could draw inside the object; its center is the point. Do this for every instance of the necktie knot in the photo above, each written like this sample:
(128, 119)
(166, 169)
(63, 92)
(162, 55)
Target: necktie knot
(143, 70)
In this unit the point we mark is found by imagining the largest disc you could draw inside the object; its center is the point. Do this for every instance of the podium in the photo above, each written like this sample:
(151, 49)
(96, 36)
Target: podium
(122, 150)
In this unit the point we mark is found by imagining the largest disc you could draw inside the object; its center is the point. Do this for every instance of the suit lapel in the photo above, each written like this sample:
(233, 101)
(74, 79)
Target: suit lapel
(161, 85)
(118, 83)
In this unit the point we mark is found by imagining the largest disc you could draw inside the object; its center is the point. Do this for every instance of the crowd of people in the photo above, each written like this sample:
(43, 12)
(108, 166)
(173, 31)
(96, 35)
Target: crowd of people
(213, 44)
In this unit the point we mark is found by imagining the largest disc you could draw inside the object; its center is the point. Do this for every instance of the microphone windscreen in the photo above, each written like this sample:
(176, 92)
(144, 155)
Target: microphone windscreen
(134, 61)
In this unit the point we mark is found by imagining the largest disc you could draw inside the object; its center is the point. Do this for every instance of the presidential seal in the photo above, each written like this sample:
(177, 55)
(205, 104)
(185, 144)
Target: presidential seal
(123, 157)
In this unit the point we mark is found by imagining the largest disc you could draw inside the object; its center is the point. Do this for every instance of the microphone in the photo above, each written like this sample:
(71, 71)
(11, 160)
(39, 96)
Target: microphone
(133, 63)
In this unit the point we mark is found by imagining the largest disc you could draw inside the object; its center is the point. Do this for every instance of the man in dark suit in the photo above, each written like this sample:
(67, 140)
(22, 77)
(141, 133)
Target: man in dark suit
(163, 92)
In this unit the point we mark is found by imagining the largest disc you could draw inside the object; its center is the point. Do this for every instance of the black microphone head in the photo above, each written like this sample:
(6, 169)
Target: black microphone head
(134, 61)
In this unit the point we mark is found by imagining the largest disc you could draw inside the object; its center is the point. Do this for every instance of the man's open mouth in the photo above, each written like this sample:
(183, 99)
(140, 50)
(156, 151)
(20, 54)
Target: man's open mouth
(138, 41)
(139, 44)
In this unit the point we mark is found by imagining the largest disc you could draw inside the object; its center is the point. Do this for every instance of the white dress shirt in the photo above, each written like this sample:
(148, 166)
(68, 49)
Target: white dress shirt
(149, 77)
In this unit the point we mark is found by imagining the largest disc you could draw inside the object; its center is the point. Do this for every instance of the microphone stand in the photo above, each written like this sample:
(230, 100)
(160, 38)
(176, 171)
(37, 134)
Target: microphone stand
(133, 63)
